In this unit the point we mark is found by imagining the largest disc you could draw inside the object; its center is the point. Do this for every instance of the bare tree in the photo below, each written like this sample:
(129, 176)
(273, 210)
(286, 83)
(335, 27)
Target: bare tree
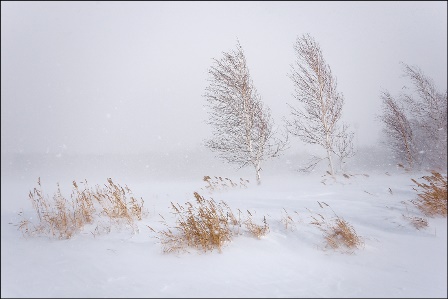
(316, 88)
(243, 127)
(428, 110)
(343, 145)
(398, 129)
(416, 123)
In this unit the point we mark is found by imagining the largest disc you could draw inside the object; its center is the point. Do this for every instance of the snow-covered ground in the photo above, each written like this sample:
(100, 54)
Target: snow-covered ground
(397, 260)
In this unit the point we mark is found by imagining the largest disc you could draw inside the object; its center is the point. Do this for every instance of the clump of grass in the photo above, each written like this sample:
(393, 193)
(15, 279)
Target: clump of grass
(417, 222)
(24, 226)
(62, 218)
(58, 217)
(287, 220)
(254, 229)
(338, 233)
(206, 226)
(83, 203)
(432, 197)
(118, 203)
(220, 184)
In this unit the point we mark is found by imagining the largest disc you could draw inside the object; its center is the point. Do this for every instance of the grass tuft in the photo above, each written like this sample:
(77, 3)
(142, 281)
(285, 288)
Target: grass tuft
(338, 233)
(62, 218)
(417, 222)
(206, 225)
(257, 230)
(432, 196)
(287, 220)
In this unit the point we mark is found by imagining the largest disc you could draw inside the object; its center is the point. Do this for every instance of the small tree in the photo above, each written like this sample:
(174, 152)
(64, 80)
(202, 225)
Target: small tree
(243, 128)
(428, 111)
(416, 123)
(398, 129)
(316, 88)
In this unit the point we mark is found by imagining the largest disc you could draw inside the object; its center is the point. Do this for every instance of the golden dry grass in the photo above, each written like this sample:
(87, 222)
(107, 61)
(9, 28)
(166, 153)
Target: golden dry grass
(58, 217)
(206, 225)
(338, 233)
(432, 196)
(62, 218)
(417, 222)
(256, 230)
(119, 204)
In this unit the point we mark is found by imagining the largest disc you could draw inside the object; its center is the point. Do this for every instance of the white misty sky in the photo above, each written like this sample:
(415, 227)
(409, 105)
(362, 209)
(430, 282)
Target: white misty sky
(99, 77)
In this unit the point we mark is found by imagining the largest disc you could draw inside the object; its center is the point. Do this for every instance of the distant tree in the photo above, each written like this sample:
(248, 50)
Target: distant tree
(398, 129)
(422, 115)
(243, 127)
(316, 88)
(428, 111)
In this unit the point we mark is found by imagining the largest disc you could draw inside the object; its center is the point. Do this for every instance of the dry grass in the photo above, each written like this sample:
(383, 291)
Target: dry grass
(119, 204)
(256, 230)
(432, 197)
(62, 218)
(204, 226)
(221, 184)
(58, 217)
(287, 221)
(338, 233)
(417, 222)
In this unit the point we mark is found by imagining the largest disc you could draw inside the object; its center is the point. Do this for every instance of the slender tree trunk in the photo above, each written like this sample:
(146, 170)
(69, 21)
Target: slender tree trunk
(331, 162)
(328, 146)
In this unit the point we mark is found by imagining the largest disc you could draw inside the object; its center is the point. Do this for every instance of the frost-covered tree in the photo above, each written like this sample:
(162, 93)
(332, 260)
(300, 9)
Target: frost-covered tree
(243, 131)
(428, 109)
(398, 129)
(315, 87)
(423, 117)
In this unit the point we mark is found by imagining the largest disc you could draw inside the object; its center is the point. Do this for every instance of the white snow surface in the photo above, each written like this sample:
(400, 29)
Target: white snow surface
(397, 260)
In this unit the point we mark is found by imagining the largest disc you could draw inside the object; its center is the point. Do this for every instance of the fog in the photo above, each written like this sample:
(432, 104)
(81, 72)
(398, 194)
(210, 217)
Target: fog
(98, 78)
